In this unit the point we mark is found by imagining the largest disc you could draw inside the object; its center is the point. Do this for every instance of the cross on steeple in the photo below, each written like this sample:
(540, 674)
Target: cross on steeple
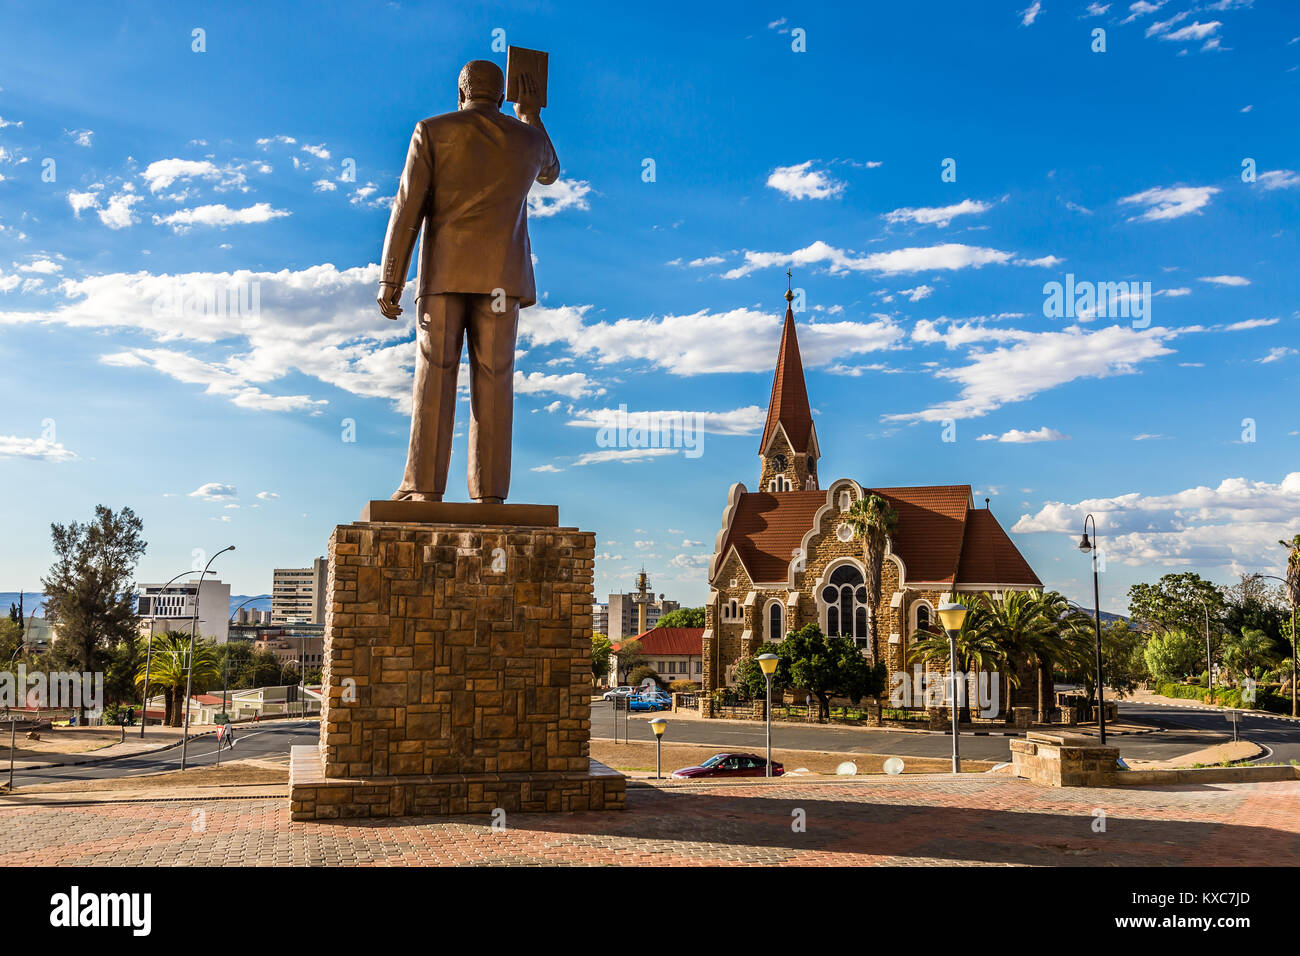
(789, 283)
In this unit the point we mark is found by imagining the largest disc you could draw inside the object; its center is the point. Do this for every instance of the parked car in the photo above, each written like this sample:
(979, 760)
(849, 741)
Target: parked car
(659, 701)
(730, 765)
(623, 691)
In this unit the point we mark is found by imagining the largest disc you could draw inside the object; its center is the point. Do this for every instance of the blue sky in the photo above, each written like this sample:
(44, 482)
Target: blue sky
(804, 136)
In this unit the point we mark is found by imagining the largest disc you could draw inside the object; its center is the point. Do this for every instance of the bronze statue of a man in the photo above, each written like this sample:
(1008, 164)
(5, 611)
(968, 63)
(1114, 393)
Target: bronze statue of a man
(466, 184)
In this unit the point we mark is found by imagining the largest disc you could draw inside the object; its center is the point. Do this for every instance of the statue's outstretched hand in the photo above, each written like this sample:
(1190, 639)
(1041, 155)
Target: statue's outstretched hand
(528, 103)
(388, 299)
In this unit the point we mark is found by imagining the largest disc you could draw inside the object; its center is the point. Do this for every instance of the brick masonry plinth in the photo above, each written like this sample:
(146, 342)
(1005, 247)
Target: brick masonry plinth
(457, 674)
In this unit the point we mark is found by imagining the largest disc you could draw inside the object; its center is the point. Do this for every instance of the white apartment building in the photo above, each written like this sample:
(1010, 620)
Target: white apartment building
(173, 609)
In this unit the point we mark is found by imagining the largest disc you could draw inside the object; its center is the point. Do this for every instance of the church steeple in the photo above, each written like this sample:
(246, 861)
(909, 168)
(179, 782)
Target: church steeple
(789, 450)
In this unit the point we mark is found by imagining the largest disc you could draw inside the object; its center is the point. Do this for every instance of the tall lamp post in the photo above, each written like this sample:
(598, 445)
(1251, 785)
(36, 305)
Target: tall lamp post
(148, 655)
(768, 663)
(952, 615)
(1086, 545)
(658, 725)
(189, 670)
(1209, 658)
(1293, 646)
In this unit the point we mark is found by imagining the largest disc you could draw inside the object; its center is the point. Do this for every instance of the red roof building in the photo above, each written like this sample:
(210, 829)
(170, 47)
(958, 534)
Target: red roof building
(676, 653)
(784, 556)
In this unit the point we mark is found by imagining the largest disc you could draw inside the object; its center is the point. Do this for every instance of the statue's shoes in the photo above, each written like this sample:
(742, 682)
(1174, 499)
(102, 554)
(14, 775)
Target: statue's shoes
(400, 495)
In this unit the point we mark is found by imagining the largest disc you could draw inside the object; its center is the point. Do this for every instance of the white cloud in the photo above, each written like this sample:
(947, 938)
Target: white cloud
(1141, 8)
(218, 378)
(281, 139)
(1193, 31)
(1016, 436)
(946, 256)
(82, 137)
(1030, 13)
(918, 293)
(214, 491)
(325, 185)
(118, 215)
(1096, 9)
(218, 214)
(938, 215)
(162, 173)
(1278, 179)
(1236, 524)
(320, 152)
(35, 449)
(1276, 355)
(559, 196)
(1246, 324)
(1171, 202)
(1035, 362)
(1226, 280)
(4, 122)
(706, 261)
(47, 267)
(268, 495)
(739, 421)
(624, 455)
(801, 181)
(80, 202)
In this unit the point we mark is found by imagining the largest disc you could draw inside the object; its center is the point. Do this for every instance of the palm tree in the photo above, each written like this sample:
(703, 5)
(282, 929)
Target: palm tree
(1040, 628)
(168, 672)
(977, 649)
(872, 519)
(1250, 652)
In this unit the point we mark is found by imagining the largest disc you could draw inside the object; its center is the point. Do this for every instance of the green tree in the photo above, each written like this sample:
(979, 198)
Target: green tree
(628, 656)
(168, 672)
(1250, 653)
(599, 656)
(1177, 602)
(872, 519)
(829, 666)
(1038, 628)
(89, 592)
(683, 617)
(641, 672)
(11, 636)
(749, 673)
(1256, 604)
(1172, 655)
(1122, 657)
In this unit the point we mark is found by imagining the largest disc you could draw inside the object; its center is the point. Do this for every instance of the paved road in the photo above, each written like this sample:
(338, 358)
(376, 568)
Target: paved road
(1282, 737)
(251, 740)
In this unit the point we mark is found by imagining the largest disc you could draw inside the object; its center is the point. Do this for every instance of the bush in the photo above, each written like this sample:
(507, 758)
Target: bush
(641, 672)
(683, 687)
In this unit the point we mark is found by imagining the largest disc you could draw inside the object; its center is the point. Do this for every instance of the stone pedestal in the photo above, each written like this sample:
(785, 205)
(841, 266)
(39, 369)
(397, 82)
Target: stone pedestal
(1063, 760)
(457, 670)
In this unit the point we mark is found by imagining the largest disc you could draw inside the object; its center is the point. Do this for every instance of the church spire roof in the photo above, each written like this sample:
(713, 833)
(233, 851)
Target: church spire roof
(788, 406)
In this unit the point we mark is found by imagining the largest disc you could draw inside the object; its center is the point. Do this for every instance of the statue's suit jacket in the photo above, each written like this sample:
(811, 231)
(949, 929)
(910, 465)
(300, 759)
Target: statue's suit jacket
(466, 184)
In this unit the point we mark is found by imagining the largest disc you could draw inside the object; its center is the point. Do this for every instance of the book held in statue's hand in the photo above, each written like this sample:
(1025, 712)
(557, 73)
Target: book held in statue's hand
(524, 62)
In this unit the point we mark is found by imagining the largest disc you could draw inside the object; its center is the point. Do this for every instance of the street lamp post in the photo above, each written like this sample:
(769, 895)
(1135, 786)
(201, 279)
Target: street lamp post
(1209, 659)
(148, 656)
(659, 725)
(952, 615)
(189, 670)
(1091, 545)
(768, 663)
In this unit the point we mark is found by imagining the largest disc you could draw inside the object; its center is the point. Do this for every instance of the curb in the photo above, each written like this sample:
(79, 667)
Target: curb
(1263, 714)
(112, 757)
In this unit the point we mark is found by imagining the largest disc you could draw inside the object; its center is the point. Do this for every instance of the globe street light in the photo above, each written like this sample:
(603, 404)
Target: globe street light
(768, 663)
(189, 673)
(1086, 545)
(658, 725)
(952, 616)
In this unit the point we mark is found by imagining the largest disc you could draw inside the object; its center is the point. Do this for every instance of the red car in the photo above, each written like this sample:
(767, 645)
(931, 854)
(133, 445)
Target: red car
(730, 765)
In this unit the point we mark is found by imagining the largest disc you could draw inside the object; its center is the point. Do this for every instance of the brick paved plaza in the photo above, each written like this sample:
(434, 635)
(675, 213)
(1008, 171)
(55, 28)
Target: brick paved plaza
(977, 820)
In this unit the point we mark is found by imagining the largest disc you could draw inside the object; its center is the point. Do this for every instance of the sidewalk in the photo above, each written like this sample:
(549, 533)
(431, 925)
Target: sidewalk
(974, 820)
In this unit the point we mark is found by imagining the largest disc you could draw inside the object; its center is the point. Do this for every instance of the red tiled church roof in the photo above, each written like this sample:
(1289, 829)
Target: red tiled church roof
(685, 641)
(988, 556)
(789, 403)
(938, 535)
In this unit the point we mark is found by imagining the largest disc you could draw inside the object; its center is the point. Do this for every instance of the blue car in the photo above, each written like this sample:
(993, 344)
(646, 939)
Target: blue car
(653, 701)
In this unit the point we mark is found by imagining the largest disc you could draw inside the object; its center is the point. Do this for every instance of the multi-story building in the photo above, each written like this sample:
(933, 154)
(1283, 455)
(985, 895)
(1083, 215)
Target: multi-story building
(173, 609)
(600, 618)
(636, 611)
(298, 594)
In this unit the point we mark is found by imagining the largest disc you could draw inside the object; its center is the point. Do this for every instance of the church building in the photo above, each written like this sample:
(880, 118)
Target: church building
(784, 557)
